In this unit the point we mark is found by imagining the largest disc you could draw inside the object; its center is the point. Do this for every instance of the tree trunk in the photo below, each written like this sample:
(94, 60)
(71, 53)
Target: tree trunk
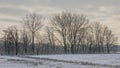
(16, 44)
(72, 49)
(33, 48)
(108, 50)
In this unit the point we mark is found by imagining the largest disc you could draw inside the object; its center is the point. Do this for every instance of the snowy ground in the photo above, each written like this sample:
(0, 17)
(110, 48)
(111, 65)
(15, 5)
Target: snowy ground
(62, 61)
(103, 59)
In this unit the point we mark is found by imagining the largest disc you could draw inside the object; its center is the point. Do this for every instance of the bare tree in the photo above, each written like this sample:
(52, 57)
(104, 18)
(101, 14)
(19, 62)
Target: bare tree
(60, 22)
(25, 40)
(110, 39)
(34, 23)
(98, 33)
(12, 40)
(78, 24)
(82, 40)
(102, 38)
(6, 47)
(39, 43)
(67, 25)
(51, 37)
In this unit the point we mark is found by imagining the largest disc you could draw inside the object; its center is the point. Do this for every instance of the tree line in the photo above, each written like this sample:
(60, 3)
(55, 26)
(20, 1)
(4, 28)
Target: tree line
(67, 33)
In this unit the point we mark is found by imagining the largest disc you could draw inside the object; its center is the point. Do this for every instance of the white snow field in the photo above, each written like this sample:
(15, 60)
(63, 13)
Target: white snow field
(103, 59)
(62, 61)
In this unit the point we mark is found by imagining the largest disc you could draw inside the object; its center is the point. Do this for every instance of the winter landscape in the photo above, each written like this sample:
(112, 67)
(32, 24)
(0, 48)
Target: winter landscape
(59, 34)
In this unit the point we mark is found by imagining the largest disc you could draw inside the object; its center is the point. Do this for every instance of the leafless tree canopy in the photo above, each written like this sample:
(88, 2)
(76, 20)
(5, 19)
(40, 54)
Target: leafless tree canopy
(68, 33)
(68, 25)
(34, 23)
(11, 40)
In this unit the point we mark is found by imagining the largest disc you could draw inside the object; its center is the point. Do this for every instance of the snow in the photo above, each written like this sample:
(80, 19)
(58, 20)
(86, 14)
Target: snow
(39, 62)
(17, 62)
(104, 59)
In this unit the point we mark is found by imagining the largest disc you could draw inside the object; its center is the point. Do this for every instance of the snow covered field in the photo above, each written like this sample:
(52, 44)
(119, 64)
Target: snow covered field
(104, 59)
(62, 61)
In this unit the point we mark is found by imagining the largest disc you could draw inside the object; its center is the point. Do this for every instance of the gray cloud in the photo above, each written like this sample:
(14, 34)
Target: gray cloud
(78, 3)
(9, 20)
(12, 11)
(16, 2)
(63, 3)
(21, 7)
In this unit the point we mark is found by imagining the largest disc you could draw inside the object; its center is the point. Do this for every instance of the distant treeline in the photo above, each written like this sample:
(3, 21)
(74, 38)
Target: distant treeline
(66, 32)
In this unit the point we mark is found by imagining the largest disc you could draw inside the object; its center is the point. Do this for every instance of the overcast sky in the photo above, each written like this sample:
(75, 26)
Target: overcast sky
(104, 11)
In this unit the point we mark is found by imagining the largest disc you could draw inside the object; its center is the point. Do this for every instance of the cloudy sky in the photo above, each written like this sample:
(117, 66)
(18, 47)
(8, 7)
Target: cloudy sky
(104, 11)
